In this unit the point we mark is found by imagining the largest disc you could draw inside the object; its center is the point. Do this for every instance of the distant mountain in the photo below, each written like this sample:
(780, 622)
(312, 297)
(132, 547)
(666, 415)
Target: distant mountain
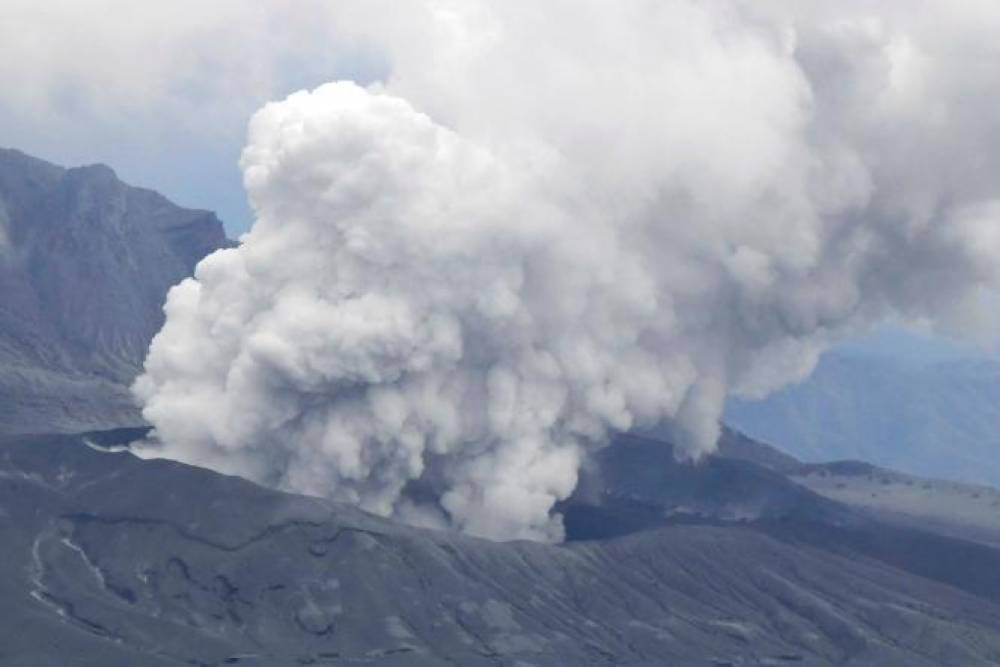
(939, 418)
(85, 264)
(110, 560)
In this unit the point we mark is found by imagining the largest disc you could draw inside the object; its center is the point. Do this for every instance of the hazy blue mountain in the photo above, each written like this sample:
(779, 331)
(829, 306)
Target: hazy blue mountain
(925, 414)
(85, 263)
(110, 560)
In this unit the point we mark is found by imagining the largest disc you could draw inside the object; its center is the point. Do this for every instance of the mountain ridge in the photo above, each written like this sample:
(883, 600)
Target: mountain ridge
(85, 263)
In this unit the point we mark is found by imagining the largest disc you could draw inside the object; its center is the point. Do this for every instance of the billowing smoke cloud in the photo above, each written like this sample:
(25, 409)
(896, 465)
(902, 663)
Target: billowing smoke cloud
(554, 220)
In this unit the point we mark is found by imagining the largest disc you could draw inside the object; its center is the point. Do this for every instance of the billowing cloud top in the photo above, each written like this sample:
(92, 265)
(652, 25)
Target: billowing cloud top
(550, 221)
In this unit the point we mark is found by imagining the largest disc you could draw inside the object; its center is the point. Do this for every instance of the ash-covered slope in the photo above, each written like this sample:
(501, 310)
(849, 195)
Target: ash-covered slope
(967, 511)
(115, 561)
(635, 484)
(85, 264)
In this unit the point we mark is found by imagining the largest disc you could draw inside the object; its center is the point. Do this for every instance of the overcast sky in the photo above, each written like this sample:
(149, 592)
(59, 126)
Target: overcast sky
(162, 91)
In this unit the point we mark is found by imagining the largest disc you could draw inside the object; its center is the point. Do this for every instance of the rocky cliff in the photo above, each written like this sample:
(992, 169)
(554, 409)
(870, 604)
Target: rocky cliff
(85, 263)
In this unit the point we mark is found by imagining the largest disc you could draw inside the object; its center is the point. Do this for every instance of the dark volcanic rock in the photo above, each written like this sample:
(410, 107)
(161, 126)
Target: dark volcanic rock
(635, 483)
(85, 264)
(110, 560)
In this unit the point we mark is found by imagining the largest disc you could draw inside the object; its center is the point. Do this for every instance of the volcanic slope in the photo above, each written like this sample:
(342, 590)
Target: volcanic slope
(112, 560)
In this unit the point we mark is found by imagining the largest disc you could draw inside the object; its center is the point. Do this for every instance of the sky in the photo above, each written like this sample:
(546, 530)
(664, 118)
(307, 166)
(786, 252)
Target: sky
(162, 92)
